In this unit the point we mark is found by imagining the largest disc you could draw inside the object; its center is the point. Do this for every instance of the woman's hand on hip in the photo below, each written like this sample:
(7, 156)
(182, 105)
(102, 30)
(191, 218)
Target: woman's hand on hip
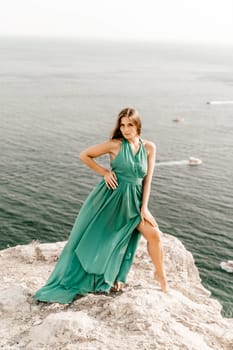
(110, 180)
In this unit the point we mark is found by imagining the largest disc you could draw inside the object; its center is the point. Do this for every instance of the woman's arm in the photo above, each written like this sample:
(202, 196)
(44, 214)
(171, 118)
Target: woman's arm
(87, 156)
(151, 153)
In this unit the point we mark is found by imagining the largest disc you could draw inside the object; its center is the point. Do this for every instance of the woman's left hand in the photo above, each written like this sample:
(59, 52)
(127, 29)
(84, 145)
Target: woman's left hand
(147, 216)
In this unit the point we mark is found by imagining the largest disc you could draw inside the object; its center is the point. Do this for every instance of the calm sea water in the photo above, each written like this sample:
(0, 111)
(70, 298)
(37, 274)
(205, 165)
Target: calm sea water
(59, 96)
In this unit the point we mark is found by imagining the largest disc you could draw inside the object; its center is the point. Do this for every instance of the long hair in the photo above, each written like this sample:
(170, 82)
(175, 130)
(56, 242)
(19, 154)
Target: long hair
(131, 113)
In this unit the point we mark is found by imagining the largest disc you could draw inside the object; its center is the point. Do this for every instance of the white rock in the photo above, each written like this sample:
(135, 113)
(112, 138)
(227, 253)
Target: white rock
(140, 318)
(63, 327)
(13, 299)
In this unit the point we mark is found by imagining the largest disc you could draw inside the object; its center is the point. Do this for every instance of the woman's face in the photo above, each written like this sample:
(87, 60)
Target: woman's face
(128, 128)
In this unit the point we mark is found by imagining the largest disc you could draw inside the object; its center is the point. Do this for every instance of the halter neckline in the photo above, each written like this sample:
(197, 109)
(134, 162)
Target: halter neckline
(131, 150)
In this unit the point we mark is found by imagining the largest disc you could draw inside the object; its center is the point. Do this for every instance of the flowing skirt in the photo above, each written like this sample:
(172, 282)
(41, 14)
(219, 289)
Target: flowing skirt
(101, 246)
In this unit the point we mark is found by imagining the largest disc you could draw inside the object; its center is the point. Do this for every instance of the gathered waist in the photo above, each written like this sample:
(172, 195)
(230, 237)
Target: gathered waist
(128, 179)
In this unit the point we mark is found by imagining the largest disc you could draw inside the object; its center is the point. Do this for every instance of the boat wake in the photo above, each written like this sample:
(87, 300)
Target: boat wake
(219, 102)
(170, 163)
(190, 161)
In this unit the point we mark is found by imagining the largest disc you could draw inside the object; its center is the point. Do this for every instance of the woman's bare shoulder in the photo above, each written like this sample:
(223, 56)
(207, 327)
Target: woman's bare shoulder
(115, 143)
(150, 146)
(111, 142)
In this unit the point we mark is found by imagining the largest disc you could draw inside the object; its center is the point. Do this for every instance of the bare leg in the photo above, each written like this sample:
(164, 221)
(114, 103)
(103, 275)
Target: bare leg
(155, 250)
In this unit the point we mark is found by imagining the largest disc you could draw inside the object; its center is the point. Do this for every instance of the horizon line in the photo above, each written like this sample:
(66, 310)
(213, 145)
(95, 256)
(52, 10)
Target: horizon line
(116, 39)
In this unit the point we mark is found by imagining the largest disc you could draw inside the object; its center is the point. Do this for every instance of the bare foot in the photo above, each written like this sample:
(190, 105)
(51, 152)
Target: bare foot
(118, 286)
(163, 282)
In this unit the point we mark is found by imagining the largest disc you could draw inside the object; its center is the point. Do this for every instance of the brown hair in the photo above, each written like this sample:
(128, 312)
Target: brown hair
(131, 113)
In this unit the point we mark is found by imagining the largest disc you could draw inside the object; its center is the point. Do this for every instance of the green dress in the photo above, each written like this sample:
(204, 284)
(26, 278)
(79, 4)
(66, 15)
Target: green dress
(103, 240)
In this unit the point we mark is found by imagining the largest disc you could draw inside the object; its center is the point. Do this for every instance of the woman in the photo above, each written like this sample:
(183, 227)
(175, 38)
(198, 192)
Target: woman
(103, 240)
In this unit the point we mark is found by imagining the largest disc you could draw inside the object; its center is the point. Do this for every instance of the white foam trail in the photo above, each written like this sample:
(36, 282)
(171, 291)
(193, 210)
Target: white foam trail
(220, 102)
(227, 266)
(170, 163)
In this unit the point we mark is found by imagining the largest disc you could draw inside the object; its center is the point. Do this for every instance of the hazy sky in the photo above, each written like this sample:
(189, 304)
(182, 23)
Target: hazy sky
(189, 20)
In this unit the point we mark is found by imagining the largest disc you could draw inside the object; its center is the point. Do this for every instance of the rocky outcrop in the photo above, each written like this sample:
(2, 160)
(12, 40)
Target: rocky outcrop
(141, 317)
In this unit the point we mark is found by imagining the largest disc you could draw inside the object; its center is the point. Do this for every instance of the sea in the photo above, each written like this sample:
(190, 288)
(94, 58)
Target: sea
(59, 96)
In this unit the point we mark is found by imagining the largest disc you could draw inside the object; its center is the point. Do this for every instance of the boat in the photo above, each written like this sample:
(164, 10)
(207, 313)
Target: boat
(227, 265)
(178, 119)
(194, 161)
(219, 102)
